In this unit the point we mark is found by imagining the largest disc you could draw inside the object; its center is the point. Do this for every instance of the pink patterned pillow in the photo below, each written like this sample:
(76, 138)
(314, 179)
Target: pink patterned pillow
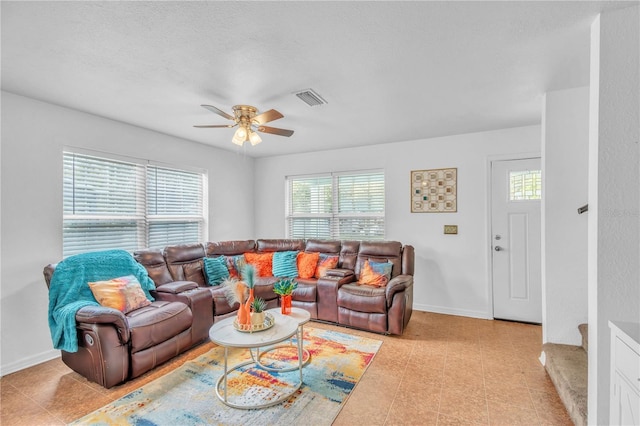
(124, 294)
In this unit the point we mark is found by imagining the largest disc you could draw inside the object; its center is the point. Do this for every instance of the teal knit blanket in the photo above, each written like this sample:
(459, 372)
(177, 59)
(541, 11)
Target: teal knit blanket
(69, 290)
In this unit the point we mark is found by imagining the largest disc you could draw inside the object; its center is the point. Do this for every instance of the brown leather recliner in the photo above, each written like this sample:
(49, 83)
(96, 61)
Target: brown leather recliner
(114, 347)
(380, 309)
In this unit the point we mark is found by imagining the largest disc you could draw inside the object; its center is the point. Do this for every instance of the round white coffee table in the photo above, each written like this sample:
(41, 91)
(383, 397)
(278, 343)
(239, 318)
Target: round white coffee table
(223, 333)
(302, 317)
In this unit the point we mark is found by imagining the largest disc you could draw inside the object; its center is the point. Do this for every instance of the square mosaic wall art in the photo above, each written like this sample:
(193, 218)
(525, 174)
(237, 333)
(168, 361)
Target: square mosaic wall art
(434, 191)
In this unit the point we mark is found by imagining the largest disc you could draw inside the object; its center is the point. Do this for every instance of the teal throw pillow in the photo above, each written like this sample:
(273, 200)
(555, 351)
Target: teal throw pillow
(215, 270)
(285, 264)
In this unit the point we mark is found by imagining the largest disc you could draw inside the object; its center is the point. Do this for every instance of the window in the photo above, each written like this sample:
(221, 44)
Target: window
(128, 204)
(347, 206)
(525, 185)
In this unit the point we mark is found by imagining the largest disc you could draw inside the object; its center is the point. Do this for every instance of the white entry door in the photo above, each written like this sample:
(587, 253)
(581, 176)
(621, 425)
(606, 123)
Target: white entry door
(516, 252)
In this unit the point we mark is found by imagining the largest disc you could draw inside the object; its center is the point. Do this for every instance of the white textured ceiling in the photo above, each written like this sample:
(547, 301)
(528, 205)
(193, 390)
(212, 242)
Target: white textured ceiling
(390, 71)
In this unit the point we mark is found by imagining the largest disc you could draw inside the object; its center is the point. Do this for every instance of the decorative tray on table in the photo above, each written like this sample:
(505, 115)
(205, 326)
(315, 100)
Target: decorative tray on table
(269, 320)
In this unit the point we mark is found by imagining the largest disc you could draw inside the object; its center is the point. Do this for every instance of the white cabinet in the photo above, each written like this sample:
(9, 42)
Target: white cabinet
(624, 408)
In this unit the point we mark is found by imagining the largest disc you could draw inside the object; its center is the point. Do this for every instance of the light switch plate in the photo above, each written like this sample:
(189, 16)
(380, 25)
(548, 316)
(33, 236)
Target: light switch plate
(451, 229)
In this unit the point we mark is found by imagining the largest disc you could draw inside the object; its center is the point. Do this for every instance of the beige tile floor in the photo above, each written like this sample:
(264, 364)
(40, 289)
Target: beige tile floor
(445, 370)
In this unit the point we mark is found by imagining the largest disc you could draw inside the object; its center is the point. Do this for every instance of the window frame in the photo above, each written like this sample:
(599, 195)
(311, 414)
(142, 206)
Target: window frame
(335, 216)
(142, 219)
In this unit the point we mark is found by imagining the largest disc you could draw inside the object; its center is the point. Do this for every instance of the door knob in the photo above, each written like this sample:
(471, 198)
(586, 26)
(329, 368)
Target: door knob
(498, 248)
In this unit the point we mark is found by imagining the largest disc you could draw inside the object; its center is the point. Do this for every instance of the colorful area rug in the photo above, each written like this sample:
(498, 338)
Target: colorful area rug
(186, 396)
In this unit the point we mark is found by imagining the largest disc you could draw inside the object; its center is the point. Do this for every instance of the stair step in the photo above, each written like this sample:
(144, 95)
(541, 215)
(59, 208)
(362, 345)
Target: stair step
(567, 367)
(584, 332)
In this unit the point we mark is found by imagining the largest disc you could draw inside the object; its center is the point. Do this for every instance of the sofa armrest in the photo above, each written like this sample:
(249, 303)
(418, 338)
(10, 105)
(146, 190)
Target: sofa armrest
(176, 287)
(104, 315)
(327, 294)
(397, 284)
(339, 272)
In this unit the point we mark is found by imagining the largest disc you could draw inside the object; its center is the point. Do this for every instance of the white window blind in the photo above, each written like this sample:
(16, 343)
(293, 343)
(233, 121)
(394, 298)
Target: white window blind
(111, 203)
(174, 206)
(346, 205)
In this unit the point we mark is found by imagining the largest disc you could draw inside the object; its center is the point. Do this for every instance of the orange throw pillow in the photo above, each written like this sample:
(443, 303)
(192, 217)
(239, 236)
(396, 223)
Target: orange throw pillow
(307, 263)
(262, 262)
(376, 274)
(124, 294)
(325, 263)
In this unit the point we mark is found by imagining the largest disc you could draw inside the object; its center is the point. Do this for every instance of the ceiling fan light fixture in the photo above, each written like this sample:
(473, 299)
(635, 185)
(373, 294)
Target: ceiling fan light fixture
(249, 122)
(254, 138)
(239, 136)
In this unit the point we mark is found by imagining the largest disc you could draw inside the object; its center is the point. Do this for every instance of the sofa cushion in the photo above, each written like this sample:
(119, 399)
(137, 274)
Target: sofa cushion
(124, 294)
(285, 264)
(264, 288)
(265, 246)
(323, 246)
(215, 270)
(362, 298)
(220, 301)
(307, 264)
(380, 251)
(153, 261)
(229, 248)
(185, 262)
(375, 273)
(156, 323)
(325, 263)
(306, 291)
(262, 261)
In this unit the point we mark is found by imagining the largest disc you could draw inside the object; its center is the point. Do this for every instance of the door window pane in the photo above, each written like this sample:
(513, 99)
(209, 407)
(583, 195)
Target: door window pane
(525, 185)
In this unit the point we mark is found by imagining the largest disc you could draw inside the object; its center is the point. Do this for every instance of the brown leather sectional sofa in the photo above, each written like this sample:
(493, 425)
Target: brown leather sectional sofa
(114, 347)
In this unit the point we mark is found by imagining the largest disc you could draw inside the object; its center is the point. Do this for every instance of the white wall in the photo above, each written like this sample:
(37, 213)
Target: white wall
(614, 224)
(33, 136)
(565, 161)
(451, 273)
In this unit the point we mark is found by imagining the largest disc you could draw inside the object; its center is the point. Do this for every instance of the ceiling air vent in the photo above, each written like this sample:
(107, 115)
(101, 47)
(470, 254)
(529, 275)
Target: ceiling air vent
(310, 97)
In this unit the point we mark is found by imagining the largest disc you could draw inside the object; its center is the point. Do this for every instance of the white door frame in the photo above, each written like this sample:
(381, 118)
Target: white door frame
(488, 236)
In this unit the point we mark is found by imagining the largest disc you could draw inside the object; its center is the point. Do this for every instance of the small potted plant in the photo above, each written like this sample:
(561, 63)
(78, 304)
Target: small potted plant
(284, 288)
(257, 311)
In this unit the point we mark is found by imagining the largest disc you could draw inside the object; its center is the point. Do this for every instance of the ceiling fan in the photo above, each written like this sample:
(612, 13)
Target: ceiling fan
(249, 122)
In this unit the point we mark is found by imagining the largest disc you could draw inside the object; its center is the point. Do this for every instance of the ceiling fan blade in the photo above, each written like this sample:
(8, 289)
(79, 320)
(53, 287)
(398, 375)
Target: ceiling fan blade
(218, 111)
(215, 125)
(275, 131)
(267, 116)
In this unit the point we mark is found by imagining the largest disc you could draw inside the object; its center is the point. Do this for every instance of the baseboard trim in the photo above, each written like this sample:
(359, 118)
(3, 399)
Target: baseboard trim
(29, 362)
(451, 311)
